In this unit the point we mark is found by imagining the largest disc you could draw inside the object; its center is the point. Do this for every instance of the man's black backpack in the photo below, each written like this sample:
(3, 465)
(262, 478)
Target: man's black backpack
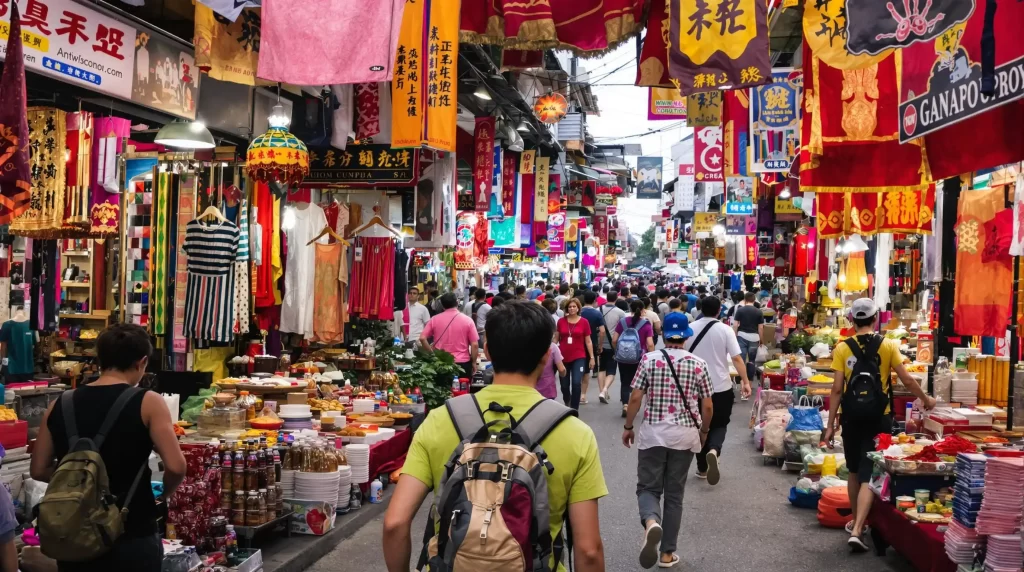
(864, 399)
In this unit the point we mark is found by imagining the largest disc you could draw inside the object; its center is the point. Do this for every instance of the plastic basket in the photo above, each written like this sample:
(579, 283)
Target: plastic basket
(803, 500)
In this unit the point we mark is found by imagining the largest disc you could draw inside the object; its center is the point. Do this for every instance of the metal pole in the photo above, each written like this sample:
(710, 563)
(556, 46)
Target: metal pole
(1014, 339)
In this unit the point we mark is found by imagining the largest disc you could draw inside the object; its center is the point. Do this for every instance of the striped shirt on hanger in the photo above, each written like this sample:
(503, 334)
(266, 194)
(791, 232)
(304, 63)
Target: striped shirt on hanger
(211, 247)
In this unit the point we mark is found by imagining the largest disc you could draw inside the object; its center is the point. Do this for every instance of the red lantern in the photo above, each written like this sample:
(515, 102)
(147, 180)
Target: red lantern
(550, 108)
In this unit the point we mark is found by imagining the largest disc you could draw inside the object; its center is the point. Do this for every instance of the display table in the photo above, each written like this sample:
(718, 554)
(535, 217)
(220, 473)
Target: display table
(920, 543)
(386, 456)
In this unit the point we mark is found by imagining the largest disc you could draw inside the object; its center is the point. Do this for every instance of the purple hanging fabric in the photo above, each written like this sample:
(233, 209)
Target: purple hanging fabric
(15, 182)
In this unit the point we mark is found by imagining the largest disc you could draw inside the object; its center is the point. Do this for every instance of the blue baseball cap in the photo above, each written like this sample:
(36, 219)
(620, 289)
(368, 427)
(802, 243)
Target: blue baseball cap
(677, 325)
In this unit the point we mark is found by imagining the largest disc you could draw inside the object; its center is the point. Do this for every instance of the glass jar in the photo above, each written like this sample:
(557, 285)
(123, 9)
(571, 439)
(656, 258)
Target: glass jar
(247, 403)
(238, 517)
(252, 479)
(226, 479)
(271, 502)
(279, 499)
(253, 515)
(263, 505)
(225, 500)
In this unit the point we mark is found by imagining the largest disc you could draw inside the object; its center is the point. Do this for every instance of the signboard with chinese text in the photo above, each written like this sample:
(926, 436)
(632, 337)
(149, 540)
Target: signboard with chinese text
(708, 154)
(483, 168)
(941, 80)
(81, 46)
(442, 71)
(540, 193)
(775, 122)
(407, 83)
(739, 195)
(705, 109)
(362, 165)
(665, 104)
(509, 183)
(527, 160)
(704, 222)
(718, 44)
(684, 188)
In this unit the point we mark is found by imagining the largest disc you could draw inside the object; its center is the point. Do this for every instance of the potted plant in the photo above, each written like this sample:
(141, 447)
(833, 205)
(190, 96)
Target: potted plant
(432, 373)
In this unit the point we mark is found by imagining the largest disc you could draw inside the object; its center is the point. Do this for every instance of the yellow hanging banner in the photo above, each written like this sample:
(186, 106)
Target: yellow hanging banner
(526, 162)
(442, 71)
(540, 193)
(704, 222)
(407, 84)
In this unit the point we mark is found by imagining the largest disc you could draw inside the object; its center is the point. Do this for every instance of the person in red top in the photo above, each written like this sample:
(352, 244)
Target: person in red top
(573, 338)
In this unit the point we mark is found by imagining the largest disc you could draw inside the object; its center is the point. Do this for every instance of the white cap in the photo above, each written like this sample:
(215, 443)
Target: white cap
(863, 308)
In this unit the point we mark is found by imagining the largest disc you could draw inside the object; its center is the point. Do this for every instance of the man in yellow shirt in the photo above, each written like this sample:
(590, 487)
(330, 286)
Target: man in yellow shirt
(859, 436)
(518, 339)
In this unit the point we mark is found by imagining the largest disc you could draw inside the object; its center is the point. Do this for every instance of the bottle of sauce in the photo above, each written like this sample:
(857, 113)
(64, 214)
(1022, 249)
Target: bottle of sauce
(226, 474)
(238, 472)
(238, 508)
(265, 516)
(253, 516)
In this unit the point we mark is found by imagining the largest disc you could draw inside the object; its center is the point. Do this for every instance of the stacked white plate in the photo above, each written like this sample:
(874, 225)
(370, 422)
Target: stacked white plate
(344, 486)
(364, 405)
(294, 410)
(358, 457)
(965, 388)
(385, 433)
(288, 483)
(317, 486)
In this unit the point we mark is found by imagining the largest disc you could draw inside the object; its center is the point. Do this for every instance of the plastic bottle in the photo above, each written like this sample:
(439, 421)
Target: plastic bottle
(456, 386)
(376, 488)
(231, 541)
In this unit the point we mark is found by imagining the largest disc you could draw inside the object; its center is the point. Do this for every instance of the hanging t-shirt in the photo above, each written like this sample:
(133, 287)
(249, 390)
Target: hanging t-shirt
(20, 342)
(209, 294)
(297, 304)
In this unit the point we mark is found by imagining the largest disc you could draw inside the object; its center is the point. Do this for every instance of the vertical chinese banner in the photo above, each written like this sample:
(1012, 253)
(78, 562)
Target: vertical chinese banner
(442, 69)
(526, 162)
(704, 109)
(718, 45)
(483, 169)
(407, 83)
(601, 227)
(508, 183)
(540, 193)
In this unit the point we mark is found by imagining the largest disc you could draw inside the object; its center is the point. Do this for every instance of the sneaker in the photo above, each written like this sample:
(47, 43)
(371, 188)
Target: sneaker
(649, 548)
(742, 398)
(713, 473)
(623, 410)
(702, 476)
(603, 398)
(856, 544)
(849, 528)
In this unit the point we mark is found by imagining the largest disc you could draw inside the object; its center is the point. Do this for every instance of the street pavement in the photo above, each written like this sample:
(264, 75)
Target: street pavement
(744, 523)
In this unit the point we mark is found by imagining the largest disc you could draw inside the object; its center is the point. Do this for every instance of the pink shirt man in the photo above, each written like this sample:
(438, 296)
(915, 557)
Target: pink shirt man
(453, 332)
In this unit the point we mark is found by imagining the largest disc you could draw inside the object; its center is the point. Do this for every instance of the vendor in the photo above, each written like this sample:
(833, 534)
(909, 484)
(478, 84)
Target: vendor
(8, 524)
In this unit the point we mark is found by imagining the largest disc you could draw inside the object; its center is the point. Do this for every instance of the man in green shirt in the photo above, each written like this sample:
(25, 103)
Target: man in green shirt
(517, 343)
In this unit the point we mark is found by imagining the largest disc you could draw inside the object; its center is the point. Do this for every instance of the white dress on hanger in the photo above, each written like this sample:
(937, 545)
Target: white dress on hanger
(297, 305)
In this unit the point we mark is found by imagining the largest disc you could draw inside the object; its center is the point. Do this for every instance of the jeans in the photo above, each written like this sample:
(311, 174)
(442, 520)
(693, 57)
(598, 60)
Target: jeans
(571, 382)
(128, 553)
(659, 471)
(722, 402)
(748, 350)
(627, 371)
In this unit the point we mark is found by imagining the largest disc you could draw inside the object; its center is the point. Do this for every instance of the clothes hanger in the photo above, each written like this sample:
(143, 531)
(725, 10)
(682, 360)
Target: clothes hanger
(376, 220)
(328, 231)
(214, 212)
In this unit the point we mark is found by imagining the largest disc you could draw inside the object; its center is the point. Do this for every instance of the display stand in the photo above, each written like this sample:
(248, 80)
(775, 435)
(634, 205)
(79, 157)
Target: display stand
(921, 543)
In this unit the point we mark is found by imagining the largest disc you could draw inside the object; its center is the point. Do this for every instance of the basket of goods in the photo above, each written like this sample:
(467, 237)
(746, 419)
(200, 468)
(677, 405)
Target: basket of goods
(401, 418)
(267, 420)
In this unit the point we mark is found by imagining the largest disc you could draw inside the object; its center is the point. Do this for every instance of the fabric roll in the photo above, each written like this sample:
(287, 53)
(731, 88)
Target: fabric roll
(159, 253)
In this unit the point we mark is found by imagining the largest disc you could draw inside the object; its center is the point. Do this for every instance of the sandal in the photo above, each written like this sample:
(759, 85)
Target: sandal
(670, 564)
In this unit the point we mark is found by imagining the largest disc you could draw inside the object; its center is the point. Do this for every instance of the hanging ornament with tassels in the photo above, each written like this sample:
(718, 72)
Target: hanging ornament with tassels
(277, 155)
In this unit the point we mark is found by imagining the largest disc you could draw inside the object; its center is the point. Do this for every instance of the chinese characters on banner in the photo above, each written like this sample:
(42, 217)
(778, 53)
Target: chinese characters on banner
(718, 44)
(739, 195)
(707, 154)
(526, 161)
(775, 122)
(684, 188)
(825, 34)
(442, 83)
(362, 165)
(540, 194)
(226, 50)
(705, 109)
(870, 213)
(508, 183)
(665, 103)
(407, 82)
(483, 169)
(601, 227)
(703, 223)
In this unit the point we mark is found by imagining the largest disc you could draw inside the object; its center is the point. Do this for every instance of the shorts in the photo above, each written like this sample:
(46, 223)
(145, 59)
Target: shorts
(858, 441)
(608, 363)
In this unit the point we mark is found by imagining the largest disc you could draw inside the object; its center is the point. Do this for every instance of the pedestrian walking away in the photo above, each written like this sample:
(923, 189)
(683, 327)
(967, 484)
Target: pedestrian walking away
(675, 425)
(607, 366)
(633, 337)
(716, 344)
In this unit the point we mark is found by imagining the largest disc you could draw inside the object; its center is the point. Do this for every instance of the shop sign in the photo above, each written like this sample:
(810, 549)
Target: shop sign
(775, 122)
(684, 188)
(550, 108)
(737, 225)
(509, 186)
(540, 193)
(649, 172)
(786, 206)
(555, 233)
(82, 46)
(705, 109)
(483, 169)
(707, 153)
(941, 80)
(527, 160)
(664, 103)
(704, 222)
(601, 227)
(739, 195)
(363, 165)
(441, 77)
(872, 27)
(407, 83)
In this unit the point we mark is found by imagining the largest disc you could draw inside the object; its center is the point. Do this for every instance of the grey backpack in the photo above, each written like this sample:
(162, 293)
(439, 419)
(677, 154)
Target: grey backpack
(493, 502)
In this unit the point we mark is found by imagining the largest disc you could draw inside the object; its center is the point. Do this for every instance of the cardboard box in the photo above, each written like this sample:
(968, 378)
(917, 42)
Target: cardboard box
(768, 335)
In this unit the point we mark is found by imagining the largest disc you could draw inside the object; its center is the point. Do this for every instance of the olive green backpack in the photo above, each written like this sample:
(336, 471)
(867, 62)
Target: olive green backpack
(78, 517)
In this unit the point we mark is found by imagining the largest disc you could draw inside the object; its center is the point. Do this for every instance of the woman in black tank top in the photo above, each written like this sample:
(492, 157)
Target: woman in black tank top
(142, 426)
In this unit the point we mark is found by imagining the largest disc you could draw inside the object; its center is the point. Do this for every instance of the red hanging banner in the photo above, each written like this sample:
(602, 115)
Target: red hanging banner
(510, 162)
(483, 169)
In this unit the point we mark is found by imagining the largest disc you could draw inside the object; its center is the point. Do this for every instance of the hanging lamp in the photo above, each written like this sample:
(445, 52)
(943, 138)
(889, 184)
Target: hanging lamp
(277, 155)
(185, 135)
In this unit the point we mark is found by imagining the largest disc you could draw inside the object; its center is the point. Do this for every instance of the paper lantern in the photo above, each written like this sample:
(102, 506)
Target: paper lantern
(277, 155)
(550, 108)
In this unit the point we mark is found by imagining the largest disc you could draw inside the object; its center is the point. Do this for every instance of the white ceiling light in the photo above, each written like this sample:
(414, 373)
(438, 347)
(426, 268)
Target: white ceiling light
(523, 126)
(482, 93)
(185, 135)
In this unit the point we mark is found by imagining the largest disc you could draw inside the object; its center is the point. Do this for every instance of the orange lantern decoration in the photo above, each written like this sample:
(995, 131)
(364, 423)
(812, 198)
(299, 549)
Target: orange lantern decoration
(550, 108)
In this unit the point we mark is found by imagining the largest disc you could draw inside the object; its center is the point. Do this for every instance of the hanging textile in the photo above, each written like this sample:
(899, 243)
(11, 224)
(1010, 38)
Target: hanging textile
(209, 307)
(979, 311)
(867, 213)
(652, 69)
(104, 196)
(79, 144)
(300, 264)
(735, 132)
(824, 26)
(185, 213)
(885, 243)
(228, 9)
(331, 278)
(986, 135)
(585, 27)
(228, 50)
(159, 253)
(368, 110)
(373, 279)
(15, 184)
(323, 42)
(241, 295)
(48, 133)
(342, 118)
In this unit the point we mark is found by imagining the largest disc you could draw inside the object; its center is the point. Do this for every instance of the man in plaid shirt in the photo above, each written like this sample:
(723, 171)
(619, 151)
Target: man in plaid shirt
(675, 383)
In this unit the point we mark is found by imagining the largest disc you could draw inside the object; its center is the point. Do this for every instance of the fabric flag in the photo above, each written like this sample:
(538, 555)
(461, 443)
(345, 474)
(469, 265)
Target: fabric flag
(518, 60)
(866, 213)
(442, 71)
(980, 311)
(586, 27)
(527, 160)
(652, 68)
(704, 109)
(301, 41)
(15, 184)
(775, 122)
(483, 170)
(1017, 244)
(471, 232)
(509, 178)
(874, 27)
(229, 9)
(228, 51)
(719, 45)
(825, 32)
(708, 154)
(735, 132)
(407, 85)
(105, 198)
(540, 193)
(665, 103)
